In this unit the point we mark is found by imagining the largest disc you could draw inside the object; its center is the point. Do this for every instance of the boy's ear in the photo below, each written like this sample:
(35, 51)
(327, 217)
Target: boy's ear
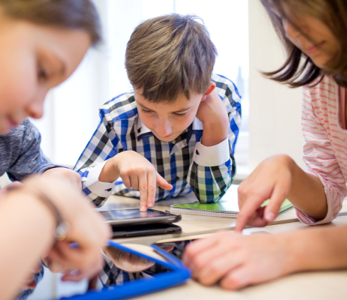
(209, 90)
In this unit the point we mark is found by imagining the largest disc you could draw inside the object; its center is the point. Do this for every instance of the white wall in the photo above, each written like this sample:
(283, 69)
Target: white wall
(275, 110)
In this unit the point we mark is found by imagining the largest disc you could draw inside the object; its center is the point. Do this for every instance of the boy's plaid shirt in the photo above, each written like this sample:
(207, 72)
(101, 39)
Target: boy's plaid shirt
(185, 162)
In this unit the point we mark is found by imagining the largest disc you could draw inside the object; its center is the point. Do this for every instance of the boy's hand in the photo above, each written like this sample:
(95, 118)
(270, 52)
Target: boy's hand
(235, 261)
(272, 179)
(73, 177)
(214, 117)
(137, 173)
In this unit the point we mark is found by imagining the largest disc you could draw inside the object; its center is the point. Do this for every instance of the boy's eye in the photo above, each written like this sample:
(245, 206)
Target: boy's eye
(146, 110)
(180, 114)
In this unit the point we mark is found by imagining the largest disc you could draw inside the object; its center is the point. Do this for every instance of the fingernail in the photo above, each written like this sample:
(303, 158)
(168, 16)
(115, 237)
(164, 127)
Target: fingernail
(270, 216)
(143, 208)
(150, 204)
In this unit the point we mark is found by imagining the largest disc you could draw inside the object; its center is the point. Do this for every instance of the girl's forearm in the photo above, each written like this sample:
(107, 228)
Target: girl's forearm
(26, 232)
(315, 249)
(307, 193)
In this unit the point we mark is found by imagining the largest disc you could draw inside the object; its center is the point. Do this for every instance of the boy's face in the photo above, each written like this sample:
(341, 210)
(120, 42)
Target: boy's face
(168, 120)
(33, 59)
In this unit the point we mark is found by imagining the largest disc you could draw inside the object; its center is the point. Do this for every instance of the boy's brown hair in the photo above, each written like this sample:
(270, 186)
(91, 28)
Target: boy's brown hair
(69, 14)
(170, 55)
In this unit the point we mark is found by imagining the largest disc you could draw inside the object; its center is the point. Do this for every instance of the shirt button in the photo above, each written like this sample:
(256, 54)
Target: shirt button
(177, 178)
(197, 152)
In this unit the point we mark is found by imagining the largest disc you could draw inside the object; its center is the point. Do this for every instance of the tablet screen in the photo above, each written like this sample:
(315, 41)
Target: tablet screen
(121, 266)
(137, 217)
(176, 248)
(123, 214)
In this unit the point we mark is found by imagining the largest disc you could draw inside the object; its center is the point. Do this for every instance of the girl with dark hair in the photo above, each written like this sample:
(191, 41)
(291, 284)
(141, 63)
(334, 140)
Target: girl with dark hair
(313, 32)
(42, 42)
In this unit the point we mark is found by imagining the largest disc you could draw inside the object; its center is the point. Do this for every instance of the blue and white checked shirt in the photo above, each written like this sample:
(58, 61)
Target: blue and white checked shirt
(185, 162)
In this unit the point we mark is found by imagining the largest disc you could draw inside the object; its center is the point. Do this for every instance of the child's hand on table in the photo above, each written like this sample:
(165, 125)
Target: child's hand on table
(272, 179)
(236, 261)
(137, 173)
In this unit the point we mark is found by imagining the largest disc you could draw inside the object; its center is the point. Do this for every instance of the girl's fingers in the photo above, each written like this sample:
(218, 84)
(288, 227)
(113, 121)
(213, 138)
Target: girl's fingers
(248, 209)
(202, 262)
(217, 268)
(237, 278)
(199, 246)
(278, 196)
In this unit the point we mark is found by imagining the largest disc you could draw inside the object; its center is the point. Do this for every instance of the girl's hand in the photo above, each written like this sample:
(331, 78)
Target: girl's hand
(73, 177)
(12, 186)
(87, 228)
(137, 173)
(236, 261)
(272, 179)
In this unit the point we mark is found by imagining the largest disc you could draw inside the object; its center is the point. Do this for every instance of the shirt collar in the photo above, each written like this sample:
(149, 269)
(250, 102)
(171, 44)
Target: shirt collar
(141, 128)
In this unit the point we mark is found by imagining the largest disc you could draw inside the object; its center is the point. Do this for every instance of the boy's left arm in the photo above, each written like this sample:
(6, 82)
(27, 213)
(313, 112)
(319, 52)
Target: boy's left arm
(213, 166)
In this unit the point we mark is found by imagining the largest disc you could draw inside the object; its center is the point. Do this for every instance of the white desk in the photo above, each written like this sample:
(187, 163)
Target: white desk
(301, 286)
(308, 285)
(190, 224)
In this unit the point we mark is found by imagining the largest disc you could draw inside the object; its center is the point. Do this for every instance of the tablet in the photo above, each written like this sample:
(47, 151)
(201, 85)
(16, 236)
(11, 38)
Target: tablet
(162, 271)
(121, 217)
(175, 248)
(144, 230)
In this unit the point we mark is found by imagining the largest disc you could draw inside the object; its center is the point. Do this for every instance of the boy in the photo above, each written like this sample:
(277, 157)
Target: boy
(176, 132)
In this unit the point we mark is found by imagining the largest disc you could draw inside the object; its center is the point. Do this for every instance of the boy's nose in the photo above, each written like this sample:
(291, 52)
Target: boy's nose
(164, 128)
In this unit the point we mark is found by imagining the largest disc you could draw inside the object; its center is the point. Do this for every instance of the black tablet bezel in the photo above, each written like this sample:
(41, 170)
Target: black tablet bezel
(166, 218)
(144, 230)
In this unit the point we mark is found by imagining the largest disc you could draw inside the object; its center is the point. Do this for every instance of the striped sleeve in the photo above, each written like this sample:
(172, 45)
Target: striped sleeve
(102, 146)
(319, 154)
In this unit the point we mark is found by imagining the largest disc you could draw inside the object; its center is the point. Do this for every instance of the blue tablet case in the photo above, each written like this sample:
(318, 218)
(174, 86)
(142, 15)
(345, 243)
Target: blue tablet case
(178, 275)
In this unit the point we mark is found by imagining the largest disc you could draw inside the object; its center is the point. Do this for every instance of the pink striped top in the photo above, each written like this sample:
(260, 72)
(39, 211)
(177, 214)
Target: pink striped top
(325, 148)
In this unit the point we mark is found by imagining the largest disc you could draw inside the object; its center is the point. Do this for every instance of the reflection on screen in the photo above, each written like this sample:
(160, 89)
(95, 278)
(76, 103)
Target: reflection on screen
(122, 266)
(124, 214)
(176, 249)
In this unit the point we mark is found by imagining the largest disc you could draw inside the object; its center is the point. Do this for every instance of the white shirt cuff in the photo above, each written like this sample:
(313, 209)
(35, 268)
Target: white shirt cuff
(211, 156)
(102, 189)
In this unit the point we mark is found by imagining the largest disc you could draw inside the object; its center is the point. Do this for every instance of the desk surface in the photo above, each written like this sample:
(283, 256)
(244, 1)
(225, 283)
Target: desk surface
(301, 286)
(190, 224)
(308, 285)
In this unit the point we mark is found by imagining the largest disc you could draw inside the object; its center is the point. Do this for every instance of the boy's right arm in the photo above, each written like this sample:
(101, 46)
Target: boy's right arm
(100, 165)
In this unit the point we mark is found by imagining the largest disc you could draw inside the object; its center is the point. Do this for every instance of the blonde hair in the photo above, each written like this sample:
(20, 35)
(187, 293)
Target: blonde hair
(170, 55)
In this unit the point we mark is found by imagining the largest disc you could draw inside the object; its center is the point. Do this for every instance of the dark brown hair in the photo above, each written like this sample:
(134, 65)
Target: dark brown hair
(170, 55)
(70, 14)
(299, 69)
